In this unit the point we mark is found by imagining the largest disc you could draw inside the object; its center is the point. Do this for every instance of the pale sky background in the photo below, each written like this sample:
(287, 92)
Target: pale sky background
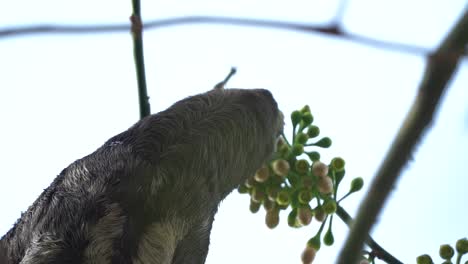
(61, 97)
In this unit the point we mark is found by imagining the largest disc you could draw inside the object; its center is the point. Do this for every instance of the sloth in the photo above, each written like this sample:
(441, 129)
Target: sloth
(150, 194)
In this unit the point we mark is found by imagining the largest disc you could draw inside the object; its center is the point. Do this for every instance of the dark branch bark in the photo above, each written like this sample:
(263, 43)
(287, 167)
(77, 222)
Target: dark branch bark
(440, 67)
(381, 253)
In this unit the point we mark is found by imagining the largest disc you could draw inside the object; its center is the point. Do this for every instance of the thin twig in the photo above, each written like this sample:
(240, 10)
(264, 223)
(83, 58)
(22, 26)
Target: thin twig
(330, 30)
(439, 69)
(137, 35)
(379, 251)
(223, 83)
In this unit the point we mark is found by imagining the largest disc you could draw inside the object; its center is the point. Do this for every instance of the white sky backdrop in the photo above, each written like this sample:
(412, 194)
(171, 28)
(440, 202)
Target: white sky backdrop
(61, 97)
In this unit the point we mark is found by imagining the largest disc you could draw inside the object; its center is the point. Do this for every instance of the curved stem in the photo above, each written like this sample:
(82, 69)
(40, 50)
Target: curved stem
(381, 253)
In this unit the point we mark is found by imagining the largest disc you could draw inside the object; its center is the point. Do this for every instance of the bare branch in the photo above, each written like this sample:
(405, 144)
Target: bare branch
(439, 69)
(330, 30)
(223, 83)
(137, 35)
(379, 251)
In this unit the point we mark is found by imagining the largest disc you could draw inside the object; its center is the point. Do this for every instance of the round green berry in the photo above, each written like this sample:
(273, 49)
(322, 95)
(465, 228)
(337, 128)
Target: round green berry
(338, 164)
(424, 259)
(305, 109)
(307, 118)
(313, 131)
(302, 166)
(329, 206)
(297, 149)
(314, 242)
(462, 246)
(302, 138)
(257, 195)
(283, 198)
(280, 167)
(446, 251)
(305, 196)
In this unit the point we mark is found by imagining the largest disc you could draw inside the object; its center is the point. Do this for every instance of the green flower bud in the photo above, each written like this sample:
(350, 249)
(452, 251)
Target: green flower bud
(272, 218)
(328, 239)
(319, 169)
(262, 174)
(329, 206)
(462, 246)
(282, 207)
(284, 151)
(325, 185)
(339, 175)
(307, 182)
(280, 142)
(338, 164)
(305, 109)
(356, 184)
(254, 206)
(424, 259)
(296, 117)
(324, 142)
(281, 167)
(313, 155)
(446, 251)
(292, 218)
(301, 138)
(283, 198)
(297, 149)
(305, 196)
(319, 214)
(314, 242)
(313, 131)
(269, 205)
(272, 193)
(308, 255)
(302, 166)
(242, 189)
(250, 182)
(304, 215)
(307, 118)
(257, 195)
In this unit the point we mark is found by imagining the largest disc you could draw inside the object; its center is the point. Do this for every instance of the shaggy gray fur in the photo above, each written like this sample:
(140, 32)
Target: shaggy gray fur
(149, 194)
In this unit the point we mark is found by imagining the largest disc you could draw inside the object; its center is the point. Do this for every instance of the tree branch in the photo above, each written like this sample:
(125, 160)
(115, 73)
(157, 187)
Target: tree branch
(439, 69)
(330, 30)
(223, 83)
(379, 251)
(137, 35)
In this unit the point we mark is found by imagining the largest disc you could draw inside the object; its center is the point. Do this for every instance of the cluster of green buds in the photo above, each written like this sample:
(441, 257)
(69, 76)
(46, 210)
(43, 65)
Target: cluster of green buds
(446, 252)
(297, 181)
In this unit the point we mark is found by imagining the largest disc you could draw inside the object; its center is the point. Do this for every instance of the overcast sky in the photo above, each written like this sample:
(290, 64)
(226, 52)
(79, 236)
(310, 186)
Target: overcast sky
(61, 97)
